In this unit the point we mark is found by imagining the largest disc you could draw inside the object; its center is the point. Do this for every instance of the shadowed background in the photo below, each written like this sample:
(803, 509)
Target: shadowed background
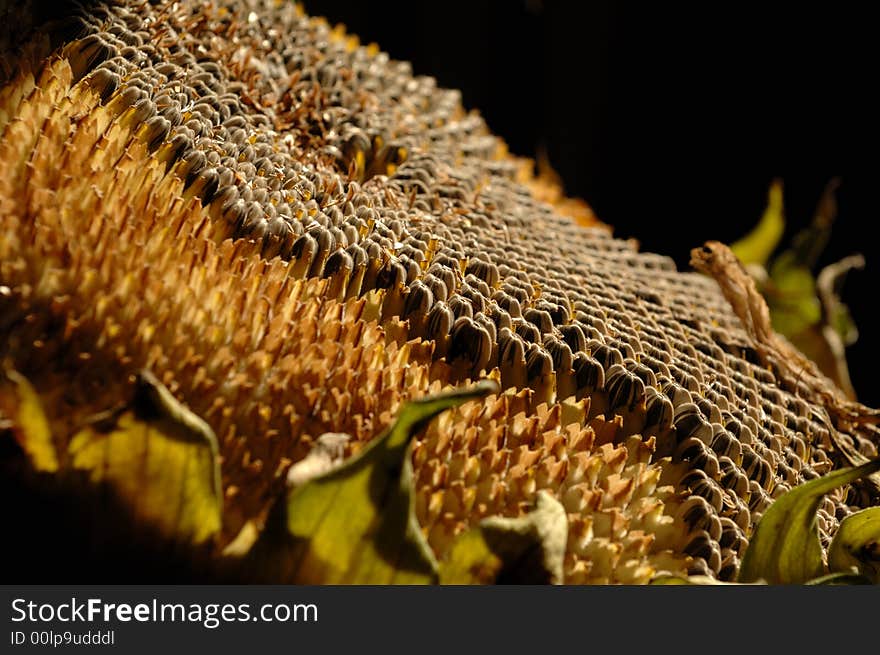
(670, 121)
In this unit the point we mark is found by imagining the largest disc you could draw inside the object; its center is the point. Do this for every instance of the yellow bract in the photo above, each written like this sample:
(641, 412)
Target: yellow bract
(857, 545)
(356, 524)
(757, 246)
(160, 459)
(785, 547)
(525, 550)
(33, 433)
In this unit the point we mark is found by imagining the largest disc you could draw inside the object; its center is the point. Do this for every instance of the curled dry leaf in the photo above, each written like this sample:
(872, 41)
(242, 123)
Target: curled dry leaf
(857, 545)
(524, 550)
(328, 452)
(160, 458)
(356, 523)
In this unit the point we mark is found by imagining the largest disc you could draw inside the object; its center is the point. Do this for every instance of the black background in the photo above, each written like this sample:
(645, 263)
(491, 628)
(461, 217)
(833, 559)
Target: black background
(671, 121)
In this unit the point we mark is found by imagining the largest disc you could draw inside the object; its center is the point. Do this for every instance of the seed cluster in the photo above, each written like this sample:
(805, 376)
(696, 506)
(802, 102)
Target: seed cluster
(107, 273)
(492, 458)
(333, 162)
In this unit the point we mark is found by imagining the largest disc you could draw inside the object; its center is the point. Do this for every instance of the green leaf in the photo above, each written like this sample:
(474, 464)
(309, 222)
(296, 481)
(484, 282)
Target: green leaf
(785, 547)
(857, 545)
(356, 524)
(470, 560)
(757, 246)
(160, 458)
(525, 550)
(791, 295)
(30, 426)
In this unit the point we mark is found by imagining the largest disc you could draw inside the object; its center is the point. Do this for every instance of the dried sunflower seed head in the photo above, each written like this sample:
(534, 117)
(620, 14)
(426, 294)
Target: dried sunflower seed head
(295, 234)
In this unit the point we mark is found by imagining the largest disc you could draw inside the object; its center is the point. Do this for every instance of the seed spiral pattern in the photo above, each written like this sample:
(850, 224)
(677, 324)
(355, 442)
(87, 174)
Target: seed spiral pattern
(363, 239)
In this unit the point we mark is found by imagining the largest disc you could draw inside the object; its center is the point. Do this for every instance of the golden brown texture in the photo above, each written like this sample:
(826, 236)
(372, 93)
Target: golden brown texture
(295, 234)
